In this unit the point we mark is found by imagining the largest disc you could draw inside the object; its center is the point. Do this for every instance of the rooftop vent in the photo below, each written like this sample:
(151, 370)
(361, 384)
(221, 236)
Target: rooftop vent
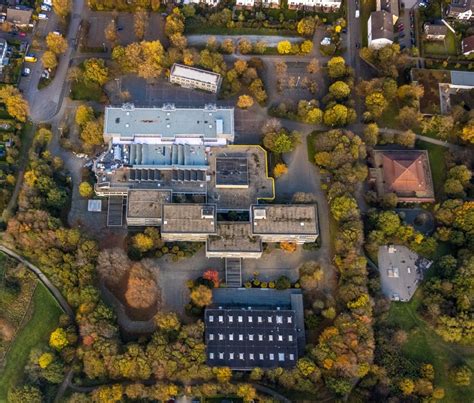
(260, 214)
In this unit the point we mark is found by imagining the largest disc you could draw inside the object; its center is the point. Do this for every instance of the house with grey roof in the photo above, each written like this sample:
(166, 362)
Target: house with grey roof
(468, 45)
(401, 271)
(435, 32)
(19, 16)
(380, 29)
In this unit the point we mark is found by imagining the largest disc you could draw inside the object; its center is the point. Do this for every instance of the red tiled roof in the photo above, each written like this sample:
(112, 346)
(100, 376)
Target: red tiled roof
(404, 174)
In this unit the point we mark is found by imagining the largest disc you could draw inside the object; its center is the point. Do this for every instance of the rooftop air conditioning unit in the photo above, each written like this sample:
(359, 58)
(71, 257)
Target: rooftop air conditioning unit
(207, 212)
(260, 214)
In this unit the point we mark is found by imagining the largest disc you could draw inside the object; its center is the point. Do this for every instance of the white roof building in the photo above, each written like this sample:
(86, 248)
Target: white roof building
(191, 77)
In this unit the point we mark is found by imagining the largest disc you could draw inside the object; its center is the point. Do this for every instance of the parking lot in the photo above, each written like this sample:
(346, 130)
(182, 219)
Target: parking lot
(405, 29)
(99, 20)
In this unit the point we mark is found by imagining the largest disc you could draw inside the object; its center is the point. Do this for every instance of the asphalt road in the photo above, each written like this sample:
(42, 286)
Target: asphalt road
(44, 104)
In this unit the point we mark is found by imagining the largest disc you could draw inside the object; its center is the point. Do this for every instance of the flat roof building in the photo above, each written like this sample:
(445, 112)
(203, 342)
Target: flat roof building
(468, 45)
(129, 124)
(406, 173)
(248, 328)
(296, 223)
(232, 172)
(188, 222)
(401, 270)
(144, 206)
(192, 77)
(234, 239)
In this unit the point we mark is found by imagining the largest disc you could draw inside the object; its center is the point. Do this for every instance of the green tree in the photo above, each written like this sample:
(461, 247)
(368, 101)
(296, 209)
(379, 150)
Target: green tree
(461, 375)
(453, 187)
(371, 134)
(343, 208)
(25, 394)
(280, 141)
(338, 115)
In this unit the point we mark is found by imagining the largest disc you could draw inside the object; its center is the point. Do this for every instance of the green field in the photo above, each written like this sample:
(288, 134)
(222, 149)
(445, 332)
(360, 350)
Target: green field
(437, 162)
(44, 318)
(81, 91)
(424, 345)
(448, 47)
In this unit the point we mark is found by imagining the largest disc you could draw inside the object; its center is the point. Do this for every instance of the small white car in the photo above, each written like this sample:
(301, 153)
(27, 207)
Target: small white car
(42, 16)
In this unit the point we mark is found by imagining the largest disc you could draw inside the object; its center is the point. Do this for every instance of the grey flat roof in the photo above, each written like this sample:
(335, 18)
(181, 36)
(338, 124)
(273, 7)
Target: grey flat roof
(232, 171)
(399, 272)
(189, 218)
(167, 155)
(266, 297)
(297, 219)
(146, 203)
(192, 73)
(234, 237)
(462, 78)
(169, 122)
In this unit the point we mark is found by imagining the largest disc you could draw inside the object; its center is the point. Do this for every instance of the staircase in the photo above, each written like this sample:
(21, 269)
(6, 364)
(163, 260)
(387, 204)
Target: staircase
(233, 272)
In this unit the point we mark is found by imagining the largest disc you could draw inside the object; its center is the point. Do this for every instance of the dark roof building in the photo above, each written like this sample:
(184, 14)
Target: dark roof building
(19, 15)
(435, 31)
(380, 29)
(248, 328)
(460, 9)
(468, 45)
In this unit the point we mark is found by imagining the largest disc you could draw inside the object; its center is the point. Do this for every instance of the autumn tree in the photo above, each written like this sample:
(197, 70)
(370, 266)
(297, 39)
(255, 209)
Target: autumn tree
(85, 190)
(56, 43)
(306, 47)
(92, 133)
(337, 67)
(58, 339)
(201, 296)
(62, 7)
(246, 392)
(174, 22)
(179, 41)
(310, 275)
(49, 59)
(110, 32)
(112, 265)
(288, 246)
(338, 115)
(343, 207)
(140, 22)
(306, 26)
(313, 66)
(223, 374)
(84, 114)
(95, 71)
(461, 375)
(376, 104)
(142, 242)
(142, 289)
(280, 169)
(228, 46)
(409, 118)
(16, 105)
(167, 321)
(371, 134)
(244, 46)
(260, 47)
(245, 102)
(25, 393)
(339, 90)
(284, 47)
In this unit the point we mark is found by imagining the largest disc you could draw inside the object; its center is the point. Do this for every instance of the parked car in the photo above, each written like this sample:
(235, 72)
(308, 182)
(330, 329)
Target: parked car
(45, 7)
(401, 36)
(31, 58)
(26, 72)
(42, 16)
(22, 34)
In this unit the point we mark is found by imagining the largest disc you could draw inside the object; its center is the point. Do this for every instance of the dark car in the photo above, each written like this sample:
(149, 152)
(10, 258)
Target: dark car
(401, 36)
(344, 31)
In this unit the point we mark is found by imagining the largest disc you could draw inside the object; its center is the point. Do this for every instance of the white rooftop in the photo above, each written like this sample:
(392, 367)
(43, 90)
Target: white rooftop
(94, 206)
(193, 73)
(169, 122)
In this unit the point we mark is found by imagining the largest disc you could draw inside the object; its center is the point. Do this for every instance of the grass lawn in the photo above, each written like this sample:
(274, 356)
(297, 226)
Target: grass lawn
(310, 146)
(80, 91)
(448, 47)
(437, 163)
(199, 29)
(44, 318)
(389, 116)
(423, 345)
(366, 7)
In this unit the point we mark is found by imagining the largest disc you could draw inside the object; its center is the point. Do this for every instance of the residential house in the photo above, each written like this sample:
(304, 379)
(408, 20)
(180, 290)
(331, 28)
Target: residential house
(468, 45)
(380, 29)
(320, 5)
(460, 10)
(435, 32)
(390, 6)
(19, 16)
(3, 53)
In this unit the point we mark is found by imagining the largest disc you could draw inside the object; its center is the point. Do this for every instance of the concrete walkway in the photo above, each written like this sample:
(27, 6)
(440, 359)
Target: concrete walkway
(42, 277)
